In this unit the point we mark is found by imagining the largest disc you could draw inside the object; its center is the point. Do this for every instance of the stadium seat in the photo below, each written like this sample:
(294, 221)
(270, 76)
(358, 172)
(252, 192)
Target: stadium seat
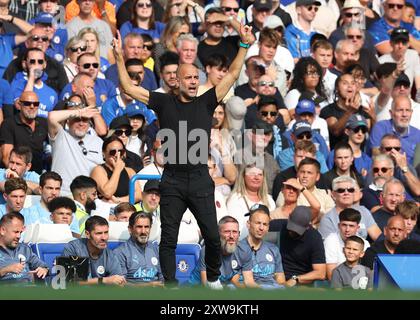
(188, 229)
(187, 256)
(118, 231)
(47, 252)
(29, 232)
(114, 244)
(50, 233)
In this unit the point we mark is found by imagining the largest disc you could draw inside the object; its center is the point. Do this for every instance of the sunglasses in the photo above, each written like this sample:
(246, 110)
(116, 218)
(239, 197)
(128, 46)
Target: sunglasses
(134, 75)
(30, 103)
(120, 132)
(358, 37)
(81, 119)
(342, 190)
(113, 152)
(82, 145)
(402, 31)
(363, 129)
(310, 8)
(266, 113)
(148, 47)
(144, 5)
(305, 135)
(74, 104)
(37, 38)
(75, 49)
(266, 83)
(390, 148)
(384, 170)
(95, 65)
(34, 61)
(351, 14)
(229, 9)
(394, 5)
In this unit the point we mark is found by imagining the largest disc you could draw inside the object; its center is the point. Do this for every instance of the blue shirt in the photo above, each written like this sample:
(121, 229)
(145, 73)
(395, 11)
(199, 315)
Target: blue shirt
(379, 30)
(104, 89)
(298, 41)
(106, 265)
(149, 81)
(112, 109)
(22, 253)
(27, 214)
(57, 45)
(317, 139)
(6, 95)
(364, 162)
(46, 95)
(31, 176)
(7, 44)
(408, 141)
(104, 64)
(139, 264)
(285, 159)
(127, 27)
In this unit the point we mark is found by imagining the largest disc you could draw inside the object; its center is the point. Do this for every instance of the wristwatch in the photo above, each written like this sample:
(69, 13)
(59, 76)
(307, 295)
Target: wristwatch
(295, 277)
(404, 169)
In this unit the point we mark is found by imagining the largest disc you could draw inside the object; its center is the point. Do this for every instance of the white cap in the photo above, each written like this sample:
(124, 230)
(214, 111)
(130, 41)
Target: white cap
(273, 22)
(235, 111)
(351, 4)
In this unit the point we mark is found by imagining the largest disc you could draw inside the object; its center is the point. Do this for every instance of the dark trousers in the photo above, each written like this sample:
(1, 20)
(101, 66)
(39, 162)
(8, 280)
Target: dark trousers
(194, 190)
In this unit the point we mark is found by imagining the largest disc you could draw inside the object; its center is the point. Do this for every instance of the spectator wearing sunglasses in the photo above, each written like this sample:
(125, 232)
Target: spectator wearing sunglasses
(74, 49)
(231, 9)
(113, 175)
(146, 55)
(91, 37)
(32, 78)
(391, 19)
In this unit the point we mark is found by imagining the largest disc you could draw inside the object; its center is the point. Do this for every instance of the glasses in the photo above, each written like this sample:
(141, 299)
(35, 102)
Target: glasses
(310, 8)
(75, 49)
(144, 5)
(34, 61)
(390, 148)
(229, 9)
(351, 14)
(71, 104)
(120, 132)
(342, 190)
(394, 5)
(266, 113)
(358, 37)
(266, 83)
(401, 31)
(95, 65)
(305, 135)
(363, 129)
(38, 38)
(134, 75)
(81, 119)
(148, 47)
(383, 170)
(82, 145)
(113, 152)
(312, 74)
(30, 103)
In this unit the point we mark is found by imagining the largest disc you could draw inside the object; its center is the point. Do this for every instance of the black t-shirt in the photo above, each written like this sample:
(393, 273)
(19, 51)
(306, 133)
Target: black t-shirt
(196, 114)
(371, 198)
(298, 255)
(333, 110)
(329, 176)
(372, 251)
(284, 16)
(381, 217)
(224, 47)
(14, 132)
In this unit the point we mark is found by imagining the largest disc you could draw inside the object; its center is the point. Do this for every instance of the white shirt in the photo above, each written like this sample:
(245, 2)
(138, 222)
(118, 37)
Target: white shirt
(382, 113)
(333, 245)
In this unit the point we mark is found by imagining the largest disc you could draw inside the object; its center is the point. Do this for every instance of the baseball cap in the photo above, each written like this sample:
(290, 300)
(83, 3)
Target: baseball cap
(400, 34)
(257, 207)
(273, 22)
(356, 120)
(300, 127)
(305, 106)
(44, 17)
(307, 3)
(134, 110)
(351, 4)
(119, 122)
(263, 5)
(151, 185)
(299, 220)
(402, 79)
(262, 125)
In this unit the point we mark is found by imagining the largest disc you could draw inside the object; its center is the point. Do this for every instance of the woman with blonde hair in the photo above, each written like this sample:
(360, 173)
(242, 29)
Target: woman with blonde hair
(91, 37)
(75, 47)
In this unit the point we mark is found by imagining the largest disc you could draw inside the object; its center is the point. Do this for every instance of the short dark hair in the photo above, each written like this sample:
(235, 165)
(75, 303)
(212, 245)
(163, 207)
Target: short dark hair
(316, 37)
(82, 182)
(61, 202)
(109, 140)
(7, 218)
(385, 69)
(350, 214)
(133, 62)
(137, 215)
(23, 152)
(168, 58)
(26, 54)
(13, 184)
(269, 35)
(94, 221)
(213, 10)
(124, 206)
(355, 239)
(310, 161)
(409, 5)
(50, 175)
(342, 145)
(217, 60)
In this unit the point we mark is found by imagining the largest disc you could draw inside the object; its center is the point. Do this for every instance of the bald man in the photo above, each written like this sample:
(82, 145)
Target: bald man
(394, 232)
(25, 129)
(186, 182)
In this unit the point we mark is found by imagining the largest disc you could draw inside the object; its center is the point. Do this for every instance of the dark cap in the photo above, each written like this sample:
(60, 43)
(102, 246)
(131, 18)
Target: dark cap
(299, 220)
(265, 100)
(119, 122)
(151, 185)
(305, 106)
(402, 79)
(262, 125)
(307, 3)
(400, 34)
(258, 207)
(134, 110)
(300, 127)
(356, 120)
(44, 17)
(263, 5)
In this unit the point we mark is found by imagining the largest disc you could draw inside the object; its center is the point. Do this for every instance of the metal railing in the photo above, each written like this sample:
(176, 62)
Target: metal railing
(131, 189)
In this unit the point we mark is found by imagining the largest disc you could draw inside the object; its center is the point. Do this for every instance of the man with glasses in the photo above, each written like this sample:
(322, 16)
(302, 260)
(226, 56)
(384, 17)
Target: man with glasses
(392, 18)
(231, 9)
(25, 128)
(74, 152)
(38, 38)
(298, 36)
(261, 9)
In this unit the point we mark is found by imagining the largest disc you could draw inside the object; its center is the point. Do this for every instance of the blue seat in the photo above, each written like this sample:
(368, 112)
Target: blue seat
(114, 244)
(47, 252)
(187, 255)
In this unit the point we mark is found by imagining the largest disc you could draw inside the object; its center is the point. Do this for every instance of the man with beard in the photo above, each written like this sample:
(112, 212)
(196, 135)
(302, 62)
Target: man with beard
(25, 129)
(169, 63)
(104, 268)
(138, 257)
(74, 152)
(84, 191)
(18, 262)
(229, 237)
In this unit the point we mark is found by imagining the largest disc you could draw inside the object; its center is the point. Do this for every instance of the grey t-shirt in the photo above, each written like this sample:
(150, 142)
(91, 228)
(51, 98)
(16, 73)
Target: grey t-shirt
(358, 277)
